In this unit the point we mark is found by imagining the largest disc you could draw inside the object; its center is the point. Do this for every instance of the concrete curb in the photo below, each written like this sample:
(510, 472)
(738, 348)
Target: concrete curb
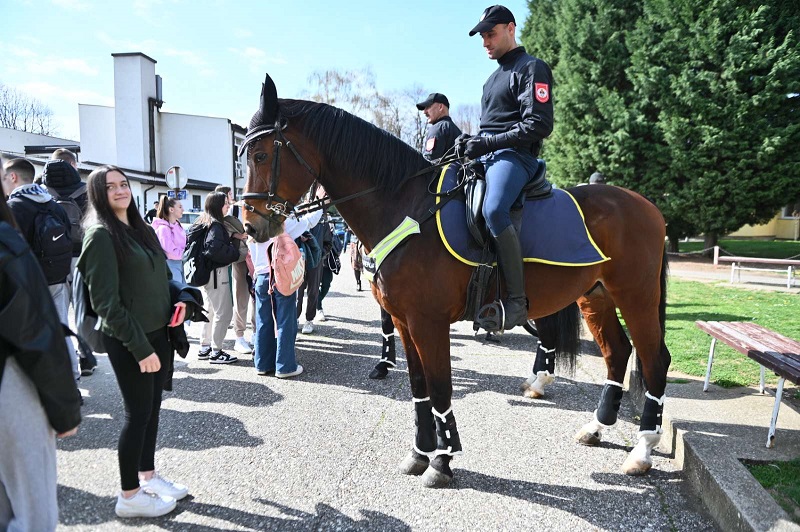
(733, 497)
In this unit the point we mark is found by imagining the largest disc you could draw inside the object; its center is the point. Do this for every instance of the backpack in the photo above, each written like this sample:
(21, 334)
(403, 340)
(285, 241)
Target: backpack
(52, 244)
(74, 213)
(287, 265)
(333, 262)
(87, 322)
(196, 269)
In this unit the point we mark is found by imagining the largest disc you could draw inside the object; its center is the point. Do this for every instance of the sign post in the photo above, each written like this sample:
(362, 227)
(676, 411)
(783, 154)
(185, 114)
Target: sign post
(176, 179)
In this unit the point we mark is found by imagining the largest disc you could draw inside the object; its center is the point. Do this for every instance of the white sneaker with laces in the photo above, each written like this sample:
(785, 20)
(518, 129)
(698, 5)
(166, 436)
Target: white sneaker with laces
(164, 488)
(308, 328)
(321, 315)
(144, 504)
(242, 346)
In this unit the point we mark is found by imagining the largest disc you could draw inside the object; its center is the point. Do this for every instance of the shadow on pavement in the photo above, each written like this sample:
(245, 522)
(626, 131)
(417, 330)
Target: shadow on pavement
(78, 507)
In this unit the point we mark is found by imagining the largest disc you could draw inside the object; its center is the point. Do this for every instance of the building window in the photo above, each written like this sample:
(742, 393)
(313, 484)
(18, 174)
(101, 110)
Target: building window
(239, 169)
(791, 211)
(196, 202)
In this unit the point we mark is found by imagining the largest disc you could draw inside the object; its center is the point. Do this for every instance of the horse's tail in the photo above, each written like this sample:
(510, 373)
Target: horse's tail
(662, 316)
(565, 327)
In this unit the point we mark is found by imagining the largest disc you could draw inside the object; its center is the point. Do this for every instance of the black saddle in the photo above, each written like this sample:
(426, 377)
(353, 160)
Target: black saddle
(537, 188)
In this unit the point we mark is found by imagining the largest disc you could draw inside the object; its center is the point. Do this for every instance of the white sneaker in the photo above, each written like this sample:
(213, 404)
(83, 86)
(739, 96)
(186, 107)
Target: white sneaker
(294, 373)
(144, 504)
(308, 328)
(321, 315)
(163, 487)
(241, 346)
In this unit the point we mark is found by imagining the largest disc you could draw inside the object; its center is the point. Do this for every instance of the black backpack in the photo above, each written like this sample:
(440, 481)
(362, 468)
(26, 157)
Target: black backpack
(87, 322)
(51, 243)
(74, 213)
(195, 266)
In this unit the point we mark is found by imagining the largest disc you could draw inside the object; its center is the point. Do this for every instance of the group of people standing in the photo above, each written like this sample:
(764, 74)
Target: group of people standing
(127, 265)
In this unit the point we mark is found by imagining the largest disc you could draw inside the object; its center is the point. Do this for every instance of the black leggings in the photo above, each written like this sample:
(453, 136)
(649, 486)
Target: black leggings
(141, 393)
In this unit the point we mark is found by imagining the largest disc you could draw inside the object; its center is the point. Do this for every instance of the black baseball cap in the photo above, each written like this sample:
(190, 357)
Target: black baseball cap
(491, 17)
(434, 97)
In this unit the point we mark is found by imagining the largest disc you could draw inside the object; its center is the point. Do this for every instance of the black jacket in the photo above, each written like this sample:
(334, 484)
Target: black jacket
(31, 332)
(440, 137)
(218, 247)
(193, 297)
(517, 103)
(64, 179)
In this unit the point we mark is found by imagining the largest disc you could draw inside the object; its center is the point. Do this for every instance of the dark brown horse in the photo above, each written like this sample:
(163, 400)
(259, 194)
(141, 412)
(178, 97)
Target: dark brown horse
(365, 170)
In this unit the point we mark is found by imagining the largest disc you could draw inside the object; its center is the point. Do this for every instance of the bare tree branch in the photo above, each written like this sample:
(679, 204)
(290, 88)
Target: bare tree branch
(468, 118)
(23, 113)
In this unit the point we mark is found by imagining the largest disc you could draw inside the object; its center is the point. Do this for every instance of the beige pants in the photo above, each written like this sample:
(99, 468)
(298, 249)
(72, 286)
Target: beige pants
(241, 297)
(219, 303)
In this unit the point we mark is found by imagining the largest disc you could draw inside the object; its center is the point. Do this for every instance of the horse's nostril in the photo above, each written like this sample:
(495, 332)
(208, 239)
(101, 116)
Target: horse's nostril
(249, 229)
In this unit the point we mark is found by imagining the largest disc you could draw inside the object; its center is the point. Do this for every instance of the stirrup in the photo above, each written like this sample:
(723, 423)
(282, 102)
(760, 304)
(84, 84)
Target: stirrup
(491, 318)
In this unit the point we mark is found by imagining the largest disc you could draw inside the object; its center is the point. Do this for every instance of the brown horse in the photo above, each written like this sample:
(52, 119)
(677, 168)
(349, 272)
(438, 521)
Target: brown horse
(366, 172)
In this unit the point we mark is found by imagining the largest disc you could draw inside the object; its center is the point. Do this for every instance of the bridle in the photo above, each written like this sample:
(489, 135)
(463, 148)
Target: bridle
(278, 206)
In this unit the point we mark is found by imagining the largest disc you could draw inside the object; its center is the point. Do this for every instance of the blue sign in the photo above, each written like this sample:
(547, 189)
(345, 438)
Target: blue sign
(182, 194)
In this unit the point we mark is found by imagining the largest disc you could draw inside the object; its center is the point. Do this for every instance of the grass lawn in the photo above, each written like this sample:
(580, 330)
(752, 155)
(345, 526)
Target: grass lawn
(689, 301)
(765, 249)
(782, 481)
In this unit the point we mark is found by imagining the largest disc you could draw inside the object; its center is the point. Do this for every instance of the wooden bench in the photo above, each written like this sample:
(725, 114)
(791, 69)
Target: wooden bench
(789, 266)
(770, 349)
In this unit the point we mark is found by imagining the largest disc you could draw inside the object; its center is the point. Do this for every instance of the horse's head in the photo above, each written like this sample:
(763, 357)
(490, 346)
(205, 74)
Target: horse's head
(276, 178)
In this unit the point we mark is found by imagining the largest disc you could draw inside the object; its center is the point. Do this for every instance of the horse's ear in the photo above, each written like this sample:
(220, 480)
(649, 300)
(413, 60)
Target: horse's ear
(269, 100)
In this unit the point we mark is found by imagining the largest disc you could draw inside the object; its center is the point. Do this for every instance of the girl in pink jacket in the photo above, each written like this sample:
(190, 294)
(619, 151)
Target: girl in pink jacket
(171, 234)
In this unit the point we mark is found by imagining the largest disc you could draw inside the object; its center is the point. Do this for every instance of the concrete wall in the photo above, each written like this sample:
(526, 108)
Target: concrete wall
(787, 228)
(98, 133)
(202, 146)
(134, 84)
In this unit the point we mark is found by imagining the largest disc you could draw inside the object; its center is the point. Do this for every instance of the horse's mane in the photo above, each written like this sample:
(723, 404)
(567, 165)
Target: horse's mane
(354, 147)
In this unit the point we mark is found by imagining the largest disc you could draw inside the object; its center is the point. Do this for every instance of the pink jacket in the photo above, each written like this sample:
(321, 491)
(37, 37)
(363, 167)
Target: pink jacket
(171, 236)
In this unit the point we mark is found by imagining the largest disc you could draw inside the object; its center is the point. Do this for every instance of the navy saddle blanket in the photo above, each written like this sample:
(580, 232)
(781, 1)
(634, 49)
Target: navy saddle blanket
(553, 229)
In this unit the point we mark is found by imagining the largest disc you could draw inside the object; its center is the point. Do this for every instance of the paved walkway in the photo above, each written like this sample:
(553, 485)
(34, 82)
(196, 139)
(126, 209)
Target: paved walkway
(320, 452)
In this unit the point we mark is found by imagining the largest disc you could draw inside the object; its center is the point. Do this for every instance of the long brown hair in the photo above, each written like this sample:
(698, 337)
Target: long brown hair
(164, 205)
(215, 201)
(100, 212)
(5, 213)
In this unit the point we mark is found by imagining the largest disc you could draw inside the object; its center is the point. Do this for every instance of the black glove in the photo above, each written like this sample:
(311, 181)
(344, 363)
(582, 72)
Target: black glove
(461, 142)
(477, 146)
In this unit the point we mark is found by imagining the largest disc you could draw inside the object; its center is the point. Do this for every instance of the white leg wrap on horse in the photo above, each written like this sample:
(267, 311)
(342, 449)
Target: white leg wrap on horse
(648, 439)
(543, 378)
(594, 426)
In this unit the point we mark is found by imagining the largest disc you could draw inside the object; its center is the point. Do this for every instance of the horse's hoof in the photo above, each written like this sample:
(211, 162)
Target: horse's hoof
(532, 393)
(636, 468)
(379, 372)
(432, 478)
(525, 385)
(414, 464)
(588, 438)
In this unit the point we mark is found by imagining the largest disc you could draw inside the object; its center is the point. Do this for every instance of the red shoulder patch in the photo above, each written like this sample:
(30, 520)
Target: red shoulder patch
(430, 144)
(542, 91)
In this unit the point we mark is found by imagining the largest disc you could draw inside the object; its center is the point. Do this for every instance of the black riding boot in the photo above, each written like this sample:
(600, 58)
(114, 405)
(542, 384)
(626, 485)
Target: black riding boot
(509, 256)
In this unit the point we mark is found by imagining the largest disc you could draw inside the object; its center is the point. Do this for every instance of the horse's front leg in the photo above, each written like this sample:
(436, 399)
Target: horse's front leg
(600, 313)
(432, 339)
(416, 461)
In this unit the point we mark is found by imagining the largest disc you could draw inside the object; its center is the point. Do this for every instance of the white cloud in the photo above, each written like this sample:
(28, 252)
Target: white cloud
(257, 59)
(123, 46)
(241, 33)
(76, 5)
(33, 62)
(46, 92)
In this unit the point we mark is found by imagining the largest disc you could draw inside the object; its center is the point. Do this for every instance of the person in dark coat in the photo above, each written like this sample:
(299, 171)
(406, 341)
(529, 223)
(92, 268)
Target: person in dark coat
(38, 397)
(442, 132)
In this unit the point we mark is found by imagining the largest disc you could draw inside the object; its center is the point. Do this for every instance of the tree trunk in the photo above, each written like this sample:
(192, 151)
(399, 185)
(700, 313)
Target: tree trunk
(709, 241)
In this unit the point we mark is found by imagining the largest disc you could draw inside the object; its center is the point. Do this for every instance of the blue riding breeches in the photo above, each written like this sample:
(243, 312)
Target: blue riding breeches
(507, 172)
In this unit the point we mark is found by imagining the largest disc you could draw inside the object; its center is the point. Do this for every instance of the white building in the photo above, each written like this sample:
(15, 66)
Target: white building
(144, 141)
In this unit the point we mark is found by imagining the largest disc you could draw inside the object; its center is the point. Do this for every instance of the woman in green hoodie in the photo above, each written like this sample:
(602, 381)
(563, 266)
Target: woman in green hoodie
(125, 270)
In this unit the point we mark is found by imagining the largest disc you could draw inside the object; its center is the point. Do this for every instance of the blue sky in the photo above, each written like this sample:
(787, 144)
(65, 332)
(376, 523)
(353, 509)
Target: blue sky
(212, 55)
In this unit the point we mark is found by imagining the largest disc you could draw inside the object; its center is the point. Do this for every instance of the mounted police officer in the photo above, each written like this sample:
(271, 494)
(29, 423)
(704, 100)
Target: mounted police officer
(442, 132)
(516, 115)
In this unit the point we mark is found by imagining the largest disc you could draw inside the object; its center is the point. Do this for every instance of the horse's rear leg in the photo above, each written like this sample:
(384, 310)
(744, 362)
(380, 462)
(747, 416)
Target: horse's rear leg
(600, 314)
(543, 372)
(647, 335)
(416, 461)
